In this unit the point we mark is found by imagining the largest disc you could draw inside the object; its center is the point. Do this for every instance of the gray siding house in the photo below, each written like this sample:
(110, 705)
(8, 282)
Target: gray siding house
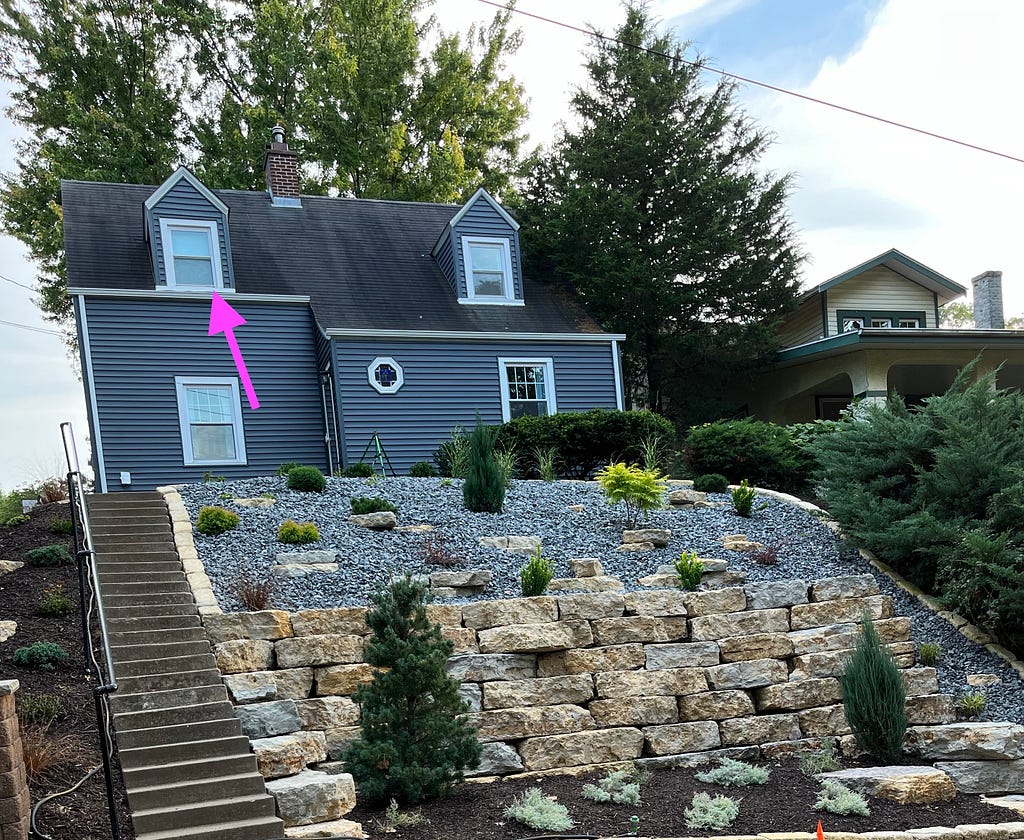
(362, 318)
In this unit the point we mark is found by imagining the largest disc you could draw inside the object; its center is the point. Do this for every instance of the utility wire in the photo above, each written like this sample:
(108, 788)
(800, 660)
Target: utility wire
(28, 327)
(16, 283)
(765, 85)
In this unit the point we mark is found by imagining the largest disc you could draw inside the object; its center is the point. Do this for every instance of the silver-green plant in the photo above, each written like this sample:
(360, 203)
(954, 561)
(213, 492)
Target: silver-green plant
(837, 798)
(538, 811)
(650, 451)
(545, 458)
(713, 813)
(732, 773)
(618, 786)
(395, 818)
(823, 760)
(508, 461)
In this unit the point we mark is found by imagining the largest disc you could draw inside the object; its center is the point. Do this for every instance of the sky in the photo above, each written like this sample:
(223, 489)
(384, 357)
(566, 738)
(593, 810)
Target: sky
(859, 187)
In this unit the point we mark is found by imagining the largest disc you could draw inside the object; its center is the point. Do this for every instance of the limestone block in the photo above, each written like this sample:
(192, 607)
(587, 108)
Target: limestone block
(723, 580)
(985, 776)
(313, 797)
(447, 615)
(327, 712)
(297, 570)
(240, 655)
(590, 660)
(774, 594)
(843, 610)
(342, 679)
(341, 620)
(326, 831)
(968, 741)
(7, 566)
(717, 602)
(317, 557)
(906, 785)
(824, 722)
(307, 651)
(636, 547)
(667, 681)
(512, 724)
(739, 542)
(634, 711)
(658, 537)
(583, 567)
(384, 520)
(639, 628)
(827, 663)
(678, 738)
(755, 646)
(760, 729)
(931, 709)
(849, 586)
(753, 673)
(601, 583)
(493, 542)
(789, 749)
(264, 720)
(591, 605)
(715, 705)
(339, 738)
(918, 681)
(286, 755)
(471, 695)
(7, 629)
(497, 759)
(266, 624)
(714, 627)
(478, 667)
(686, 497)
(680, 655)
(292, 684)
(253, 502)
(701, 759)
(662, 602)
(524, 545)
(803, 694)
(463, 639)
(535, 638)
(598, 746)
(844, 636)
(546, 691)
(463, 579)
(983, 680)
(483, 615)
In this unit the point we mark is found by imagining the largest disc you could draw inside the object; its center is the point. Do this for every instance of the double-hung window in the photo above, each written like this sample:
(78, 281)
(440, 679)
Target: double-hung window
(210, 415)
(191, 254)
(488, 263)
(527, 388)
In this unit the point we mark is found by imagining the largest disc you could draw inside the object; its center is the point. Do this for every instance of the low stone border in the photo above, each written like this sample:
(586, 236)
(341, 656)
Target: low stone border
(181, 527)
(995, 831)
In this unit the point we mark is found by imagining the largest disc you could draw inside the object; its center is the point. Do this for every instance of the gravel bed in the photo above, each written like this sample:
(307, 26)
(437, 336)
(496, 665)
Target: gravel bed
(807, 549)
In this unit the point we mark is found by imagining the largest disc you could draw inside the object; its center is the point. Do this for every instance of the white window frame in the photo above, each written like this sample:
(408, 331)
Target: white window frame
(212, 232)
(504, 363)
(909, 323)
(884, 324)
(371, 369)
(848, 324)
(509, 296)
(181, 384)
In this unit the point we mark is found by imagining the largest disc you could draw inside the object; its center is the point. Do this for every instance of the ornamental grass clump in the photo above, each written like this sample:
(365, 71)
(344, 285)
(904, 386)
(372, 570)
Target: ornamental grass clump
(619, 787)
(928, 653)
(536, 574)
(213, 520)
(874, 697)
(539, 812)
(971, 706)
(689, 570)
(306, 480)
(837, 798)
(484, 488)
(732, 773)
(639, 490)
(713, 813)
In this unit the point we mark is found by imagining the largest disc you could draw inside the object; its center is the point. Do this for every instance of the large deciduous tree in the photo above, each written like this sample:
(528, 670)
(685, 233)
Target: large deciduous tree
(655, 210)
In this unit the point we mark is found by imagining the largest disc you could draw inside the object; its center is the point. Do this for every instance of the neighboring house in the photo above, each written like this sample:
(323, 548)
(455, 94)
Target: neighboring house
(875, 329)
(397, 318)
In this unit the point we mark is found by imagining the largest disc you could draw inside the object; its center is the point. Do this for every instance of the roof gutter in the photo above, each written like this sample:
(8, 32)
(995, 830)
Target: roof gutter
(176, 294)
(902, 339)
(473, 336)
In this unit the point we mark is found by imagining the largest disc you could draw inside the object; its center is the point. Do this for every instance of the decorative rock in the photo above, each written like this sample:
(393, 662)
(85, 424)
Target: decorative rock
(760, 729)
(326, 831)
(983, 680)
(296, 570)
(969, 741)
(256, 502)
(739, 542)
(919, 681)
(640, 628)
(720, 580)
(469, 579)
(659, 537)
(585, 567)
(7, 629)
(906, 785)
(755, 646)
(930, 710)
(471, 695)
(753, 673)
(327, 712)
(701, 759)
(264, 720)
(512, 724)
(715, 705)
(824, 722)
(844, 610)
(714, 627)
(844, 636)
(476, 667)
(342, 620)
(985, 776)
(535, 638)
(600, 746)
(602, 583)
(266, 624)
(589, 606)
(685, 655)
(483, 615)
(790, 749)
(314, 557)
(342, 679)
(523, 545)
(384, 520)
(1014, 802)
(803, 694)
(636, 547)
(7, 566)
(781, 593)
(668, 681)
(292, 684)
(287, 755)
(497, 759)
(664, 602)
(463, 639)
(415, 529)
(681, 738)
(305, 651)
(849, 586)
(634, 711)
(577, 508)
(687, 498)
(447, 615)
(546, 691)
(717, 602)
(339, 738)
(589, 661)
(493, 542)
(313, 797)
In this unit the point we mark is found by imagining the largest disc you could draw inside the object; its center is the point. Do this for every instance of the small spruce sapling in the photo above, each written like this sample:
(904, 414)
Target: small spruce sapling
(689, 570)
(536, 574)
(484, 488)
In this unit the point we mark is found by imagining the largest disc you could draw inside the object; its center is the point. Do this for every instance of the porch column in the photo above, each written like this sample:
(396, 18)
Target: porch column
(870, 377)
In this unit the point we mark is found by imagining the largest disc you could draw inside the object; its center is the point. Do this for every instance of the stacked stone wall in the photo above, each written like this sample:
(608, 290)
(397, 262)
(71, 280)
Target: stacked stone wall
(14, 798)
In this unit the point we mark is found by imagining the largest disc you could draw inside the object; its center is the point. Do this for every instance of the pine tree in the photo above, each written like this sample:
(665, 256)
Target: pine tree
(414, 744)
(484, 488)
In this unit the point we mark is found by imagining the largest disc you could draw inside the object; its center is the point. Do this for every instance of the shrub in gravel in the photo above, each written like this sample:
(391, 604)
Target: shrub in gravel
(48, 555)
(484, 488)
(689, 570)
(712, 813)
(837, 798)
(297, 533)
(306, 480)
(732, 773)
(638, 489)
(360, 469)
(618, 786)
(422, 469)
(213, 520)
(284, 469)
(823, 760)
(53, 602)
(414, 742)
(41, 656)
(711, 483)
(539, 812)
(928, 653)
(874, 697)
(362, 505)
(764, 453)
(452, 456)
(39, 709)
(743, 499)
(536, 574)
(971, 705)
(254, 593)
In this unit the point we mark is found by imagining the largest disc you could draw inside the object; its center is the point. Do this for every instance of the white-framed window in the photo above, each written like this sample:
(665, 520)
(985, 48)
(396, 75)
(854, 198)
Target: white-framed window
(488, 262)
(851, 324)
(881, 323)
(191, 254)
(910, 323)
(385, 375)
(210, 416)
(527, 388)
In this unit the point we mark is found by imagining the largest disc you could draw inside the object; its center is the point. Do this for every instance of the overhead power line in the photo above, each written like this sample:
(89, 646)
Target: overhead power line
(767, 86)
(16, 283)
(29, 327)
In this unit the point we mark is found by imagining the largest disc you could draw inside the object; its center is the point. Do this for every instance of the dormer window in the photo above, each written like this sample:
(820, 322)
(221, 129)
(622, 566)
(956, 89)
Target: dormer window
(191, 254)
(488, 264)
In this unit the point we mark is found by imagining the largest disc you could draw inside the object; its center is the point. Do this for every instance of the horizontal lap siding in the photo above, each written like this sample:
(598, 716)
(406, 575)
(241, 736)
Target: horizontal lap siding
(446, 259)
(804, 325)
(446, 383)
(881, 290)
(183, 201)
(483, 220)
(138, 347)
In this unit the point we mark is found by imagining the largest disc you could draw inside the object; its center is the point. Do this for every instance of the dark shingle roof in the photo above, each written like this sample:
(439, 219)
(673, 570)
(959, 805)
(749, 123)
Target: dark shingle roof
(364, 264)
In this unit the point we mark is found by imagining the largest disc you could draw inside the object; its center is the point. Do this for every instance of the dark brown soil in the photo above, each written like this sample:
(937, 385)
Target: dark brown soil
(83, 814)
(785, 803)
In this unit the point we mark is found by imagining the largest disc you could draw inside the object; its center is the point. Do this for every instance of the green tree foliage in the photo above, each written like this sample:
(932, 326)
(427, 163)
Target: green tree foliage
(639, 490)
(484, 488)
(414, 744)
(959, 315)
(655, 211)
(764, 453)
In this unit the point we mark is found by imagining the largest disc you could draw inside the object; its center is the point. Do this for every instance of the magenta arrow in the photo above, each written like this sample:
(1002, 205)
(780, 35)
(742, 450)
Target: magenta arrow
(224, 319)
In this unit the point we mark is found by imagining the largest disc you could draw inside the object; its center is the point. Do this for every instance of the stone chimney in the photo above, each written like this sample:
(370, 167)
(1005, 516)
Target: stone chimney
(988, 301)
(281, 167)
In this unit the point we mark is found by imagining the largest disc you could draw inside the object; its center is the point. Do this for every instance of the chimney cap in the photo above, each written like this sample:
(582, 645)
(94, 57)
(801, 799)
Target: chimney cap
(277, 133)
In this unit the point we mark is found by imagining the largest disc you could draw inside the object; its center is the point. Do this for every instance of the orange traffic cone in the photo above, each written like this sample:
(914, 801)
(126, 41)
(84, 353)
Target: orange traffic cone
(821, 834)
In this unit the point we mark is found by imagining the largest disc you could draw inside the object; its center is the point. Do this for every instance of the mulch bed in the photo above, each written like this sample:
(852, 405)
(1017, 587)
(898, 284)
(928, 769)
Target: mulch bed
(785, 803)
(83, 814)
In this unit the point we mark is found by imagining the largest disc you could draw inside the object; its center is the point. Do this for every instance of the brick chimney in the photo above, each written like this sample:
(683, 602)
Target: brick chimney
(988, 301)
(281, 167)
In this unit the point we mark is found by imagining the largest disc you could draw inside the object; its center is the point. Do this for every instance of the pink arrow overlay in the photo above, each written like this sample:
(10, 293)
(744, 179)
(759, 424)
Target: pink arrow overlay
(224, 319)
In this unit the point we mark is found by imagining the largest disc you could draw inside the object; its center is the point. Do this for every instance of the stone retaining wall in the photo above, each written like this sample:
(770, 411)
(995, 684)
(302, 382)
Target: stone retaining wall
(14, 799)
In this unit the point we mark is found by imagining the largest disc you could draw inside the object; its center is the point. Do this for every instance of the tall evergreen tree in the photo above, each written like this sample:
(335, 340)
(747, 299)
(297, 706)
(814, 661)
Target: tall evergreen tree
(654, 209)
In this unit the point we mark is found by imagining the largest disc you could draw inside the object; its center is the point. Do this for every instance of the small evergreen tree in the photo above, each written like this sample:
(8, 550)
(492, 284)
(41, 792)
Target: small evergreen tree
(413, 744)
(484, 489)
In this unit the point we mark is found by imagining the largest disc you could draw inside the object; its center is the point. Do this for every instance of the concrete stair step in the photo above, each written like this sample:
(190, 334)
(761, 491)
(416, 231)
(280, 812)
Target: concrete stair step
(153, 611)
(140, 600)
(179, 733)
(168, 682)
(188, 751)
(158, 650)
(170, 636)
(108, 579)
(162, 775)
(150, 623)
(130, 721)
(144, 587)
(124, 542)
(123, 528)
(140, 571)
(206, 813)
(166, 666)
(139, 556)
(123, 702)
(129, 499)
(199, 790)
(264, 828)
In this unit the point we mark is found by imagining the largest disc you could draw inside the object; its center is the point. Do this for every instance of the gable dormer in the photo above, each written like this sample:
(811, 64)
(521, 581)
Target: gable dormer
(189, 240)
(479, 254)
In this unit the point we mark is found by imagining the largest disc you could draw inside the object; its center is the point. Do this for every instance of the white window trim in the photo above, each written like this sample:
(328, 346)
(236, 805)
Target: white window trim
(183, 382)
(504, 362)
(380, 389)
(509, 297)
(166, 225)
(904, 323)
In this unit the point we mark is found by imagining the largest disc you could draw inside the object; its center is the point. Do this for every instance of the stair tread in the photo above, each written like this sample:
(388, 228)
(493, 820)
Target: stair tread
(256, 822)
(232, 777)
(190, 806)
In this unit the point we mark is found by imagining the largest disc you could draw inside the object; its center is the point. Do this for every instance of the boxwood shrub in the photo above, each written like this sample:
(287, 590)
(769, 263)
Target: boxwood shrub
(297, 533)
(306, 480)
(215, 520)
(763, 453)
